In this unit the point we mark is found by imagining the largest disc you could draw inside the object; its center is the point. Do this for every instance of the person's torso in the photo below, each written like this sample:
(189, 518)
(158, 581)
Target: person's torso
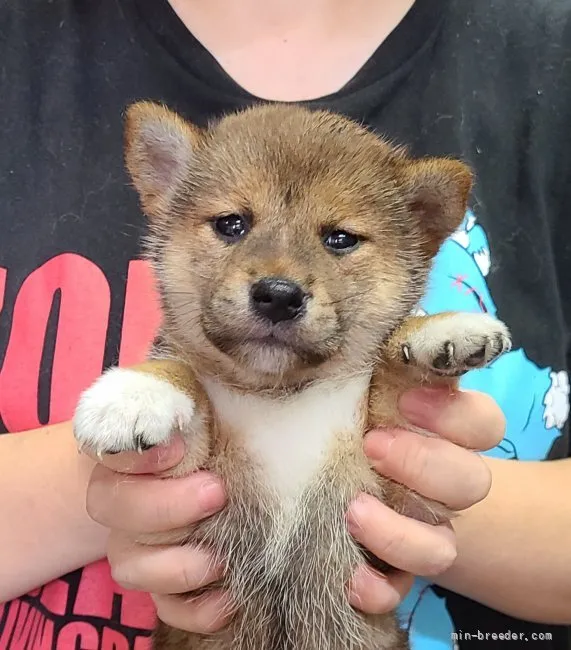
(75, 295)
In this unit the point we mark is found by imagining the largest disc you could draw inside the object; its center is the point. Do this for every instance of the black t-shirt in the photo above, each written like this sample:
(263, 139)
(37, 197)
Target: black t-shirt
(485, 81)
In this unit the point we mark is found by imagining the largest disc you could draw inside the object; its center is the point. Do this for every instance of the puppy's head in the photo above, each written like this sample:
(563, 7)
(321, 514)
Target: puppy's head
(287, 243)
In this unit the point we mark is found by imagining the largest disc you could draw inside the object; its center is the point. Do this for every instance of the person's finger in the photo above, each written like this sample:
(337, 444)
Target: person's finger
(203, 614)
(435, 468)
(146, 504)
(406, 544)
(374, 593)
(468, 418)
(152, 461)
(160, 569)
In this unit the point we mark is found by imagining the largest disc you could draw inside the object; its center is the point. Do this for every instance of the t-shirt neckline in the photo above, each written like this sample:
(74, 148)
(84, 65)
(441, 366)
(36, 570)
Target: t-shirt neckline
(402, 46)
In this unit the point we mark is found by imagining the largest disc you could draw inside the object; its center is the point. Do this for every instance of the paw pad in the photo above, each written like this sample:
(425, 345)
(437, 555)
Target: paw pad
(454, 344)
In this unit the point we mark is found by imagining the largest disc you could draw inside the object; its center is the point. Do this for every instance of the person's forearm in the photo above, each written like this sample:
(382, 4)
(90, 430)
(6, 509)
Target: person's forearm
(45, 531)
(514, 548)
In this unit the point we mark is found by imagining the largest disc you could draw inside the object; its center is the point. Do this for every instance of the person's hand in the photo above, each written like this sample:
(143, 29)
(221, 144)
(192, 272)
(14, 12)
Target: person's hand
(442, 468)
(124, 496)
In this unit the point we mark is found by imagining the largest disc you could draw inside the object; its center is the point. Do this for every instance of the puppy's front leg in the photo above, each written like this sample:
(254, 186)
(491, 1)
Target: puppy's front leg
(432, 351)
(447, 345)
(429, 351)
(133, 409)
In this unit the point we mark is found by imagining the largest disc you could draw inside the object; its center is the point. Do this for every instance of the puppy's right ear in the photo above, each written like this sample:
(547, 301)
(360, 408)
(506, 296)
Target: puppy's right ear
(159, 147)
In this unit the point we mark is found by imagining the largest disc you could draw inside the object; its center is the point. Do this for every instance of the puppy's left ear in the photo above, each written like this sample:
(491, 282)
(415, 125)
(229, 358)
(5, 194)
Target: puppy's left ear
(159, 149)
(437, 191)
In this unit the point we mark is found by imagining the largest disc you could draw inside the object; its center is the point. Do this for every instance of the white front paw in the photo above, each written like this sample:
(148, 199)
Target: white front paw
(127, 410)
(453, 344)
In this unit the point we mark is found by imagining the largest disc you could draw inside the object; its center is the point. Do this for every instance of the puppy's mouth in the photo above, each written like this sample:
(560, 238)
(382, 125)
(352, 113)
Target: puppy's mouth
(276, 337)
(284, 344)
(271, 341)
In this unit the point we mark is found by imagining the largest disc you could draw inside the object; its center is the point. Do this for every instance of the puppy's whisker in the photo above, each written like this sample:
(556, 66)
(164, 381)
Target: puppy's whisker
(349, 297)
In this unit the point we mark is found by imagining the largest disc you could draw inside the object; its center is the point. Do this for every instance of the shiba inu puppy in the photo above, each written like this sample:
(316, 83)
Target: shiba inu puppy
(290, 248)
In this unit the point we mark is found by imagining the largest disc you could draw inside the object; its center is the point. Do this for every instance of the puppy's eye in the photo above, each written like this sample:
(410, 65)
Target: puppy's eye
(231, 227)
(340, 241)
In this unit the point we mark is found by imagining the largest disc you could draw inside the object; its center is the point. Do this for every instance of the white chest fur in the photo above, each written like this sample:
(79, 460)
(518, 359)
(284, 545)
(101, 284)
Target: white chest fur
(290, 439)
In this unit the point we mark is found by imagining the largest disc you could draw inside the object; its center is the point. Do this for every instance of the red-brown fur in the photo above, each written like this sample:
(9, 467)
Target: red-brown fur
(294, 174)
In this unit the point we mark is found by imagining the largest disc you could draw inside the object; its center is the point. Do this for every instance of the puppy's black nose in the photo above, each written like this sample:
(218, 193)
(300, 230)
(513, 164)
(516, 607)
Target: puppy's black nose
(277, 299)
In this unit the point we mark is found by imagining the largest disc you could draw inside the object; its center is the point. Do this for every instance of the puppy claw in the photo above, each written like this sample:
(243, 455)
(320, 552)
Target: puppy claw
(406, 353)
